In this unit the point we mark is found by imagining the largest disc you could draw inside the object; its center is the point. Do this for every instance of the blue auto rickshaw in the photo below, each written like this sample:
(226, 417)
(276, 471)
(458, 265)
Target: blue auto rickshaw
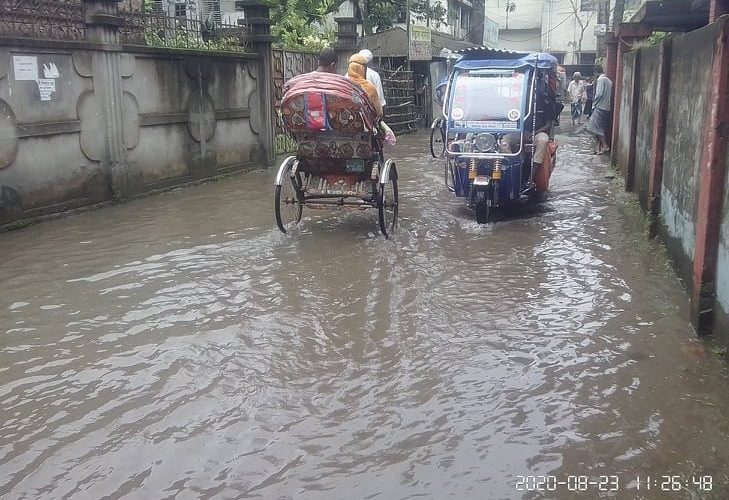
(490, 109)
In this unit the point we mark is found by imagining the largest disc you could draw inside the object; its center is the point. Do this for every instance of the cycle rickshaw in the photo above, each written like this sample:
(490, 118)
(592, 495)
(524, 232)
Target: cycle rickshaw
(339, 162)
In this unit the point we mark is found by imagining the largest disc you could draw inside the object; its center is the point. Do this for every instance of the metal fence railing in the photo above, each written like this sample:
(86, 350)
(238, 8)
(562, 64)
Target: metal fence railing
(44, 19)
(156, 29)
(400, 112)
(65, 20)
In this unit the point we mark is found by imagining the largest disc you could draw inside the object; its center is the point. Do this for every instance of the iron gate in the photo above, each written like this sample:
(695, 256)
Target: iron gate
(286, 65)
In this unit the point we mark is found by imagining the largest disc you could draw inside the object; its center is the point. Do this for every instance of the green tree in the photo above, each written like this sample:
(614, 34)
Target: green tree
(299, 23)
(380, 15)
(296, 23)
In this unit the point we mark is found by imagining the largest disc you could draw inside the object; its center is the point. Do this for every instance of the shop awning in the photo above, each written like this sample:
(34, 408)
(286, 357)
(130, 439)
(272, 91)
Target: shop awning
(673, 15)
(393, 43)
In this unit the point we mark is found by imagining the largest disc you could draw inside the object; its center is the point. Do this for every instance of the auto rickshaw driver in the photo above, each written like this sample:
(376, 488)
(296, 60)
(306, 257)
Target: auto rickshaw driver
(544, 120)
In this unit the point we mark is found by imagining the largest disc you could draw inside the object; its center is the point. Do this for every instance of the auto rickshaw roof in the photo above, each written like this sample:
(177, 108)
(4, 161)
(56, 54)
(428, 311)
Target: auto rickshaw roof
(483, 57)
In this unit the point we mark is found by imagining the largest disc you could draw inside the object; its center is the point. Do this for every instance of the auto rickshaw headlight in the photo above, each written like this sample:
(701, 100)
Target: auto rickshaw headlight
(485, 142)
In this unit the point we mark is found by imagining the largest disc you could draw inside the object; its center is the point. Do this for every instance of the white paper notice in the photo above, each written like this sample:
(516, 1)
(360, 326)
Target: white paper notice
(26, 67)
(47, 87)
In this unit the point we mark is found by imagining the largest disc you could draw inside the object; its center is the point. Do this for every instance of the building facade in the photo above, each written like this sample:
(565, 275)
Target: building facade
(460, 20)
(565, 28)
(221, 11)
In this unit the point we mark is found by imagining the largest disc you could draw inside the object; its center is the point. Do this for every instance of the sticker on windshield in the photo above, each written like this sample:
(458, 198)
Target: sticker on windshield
(514, 115)
(457, 113)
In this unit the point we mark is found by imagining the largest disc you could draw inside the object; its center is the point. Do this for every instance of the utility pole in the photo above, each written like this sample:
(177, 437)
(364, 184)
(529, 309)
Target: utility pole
(618, 14)
(407, 25)
(603, 17)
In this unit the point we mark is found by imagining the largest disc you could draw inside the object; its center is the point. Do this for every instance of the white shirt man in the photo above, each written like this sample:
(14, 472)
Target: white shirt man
(373, 76)
(576, 89)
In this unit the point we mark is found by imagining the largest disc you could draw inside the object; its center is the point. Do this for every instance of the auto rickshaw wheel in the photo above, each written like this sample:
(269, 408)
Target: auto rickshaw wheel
(484, 206)
(388, 199)
(288, 206)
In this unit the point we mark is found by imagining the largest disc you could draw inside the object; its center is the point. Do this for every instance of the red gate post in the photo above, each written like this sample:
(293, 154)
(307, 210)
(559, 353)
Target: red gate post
(711, 187)
(658, 141)
(633, 132)
(611, 68)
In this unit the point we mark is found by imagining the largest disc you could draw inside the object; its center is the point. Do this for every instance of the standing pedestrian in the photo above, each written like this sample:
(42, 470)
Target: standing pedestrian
(575, 92)
(602, 106)
(373, 76)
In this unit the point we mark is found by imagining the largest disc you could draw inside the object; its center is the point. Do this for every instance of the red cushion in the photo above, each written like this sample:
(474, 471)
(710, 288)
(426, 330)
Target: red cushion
(316, 113)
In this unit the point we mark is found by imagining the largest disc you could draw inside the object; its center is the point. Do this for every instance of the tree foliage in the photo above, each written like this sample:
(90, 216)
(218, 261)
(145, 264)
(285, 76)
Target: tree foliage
(583, 20)
(380, 15)
(299, 24)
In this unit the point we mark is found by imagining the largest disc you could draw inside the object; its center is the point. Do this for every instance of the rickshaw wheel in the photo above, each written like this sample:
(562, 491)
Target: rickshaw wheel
(388, 202)
(288, 205)
(435, 132)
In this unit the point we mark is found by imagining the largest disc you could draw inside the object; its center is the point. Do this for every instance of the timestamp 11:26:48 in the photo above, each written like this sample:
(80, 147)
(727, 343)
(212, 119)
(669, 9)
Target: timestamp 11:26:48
(674, 483)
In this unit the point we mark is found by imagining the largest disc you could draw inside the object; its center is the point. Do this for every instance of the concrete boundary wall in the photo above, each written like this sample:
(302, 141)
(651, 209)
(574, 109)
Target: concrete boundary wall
(671, 144)
(94, 121)
(180, 119)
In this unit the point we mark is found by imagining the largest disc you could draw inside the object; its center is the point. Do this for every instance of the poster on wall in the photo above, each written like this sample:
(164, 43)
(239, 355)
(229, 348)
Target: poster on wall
(420, 43)
(26, 68)
(46, 87)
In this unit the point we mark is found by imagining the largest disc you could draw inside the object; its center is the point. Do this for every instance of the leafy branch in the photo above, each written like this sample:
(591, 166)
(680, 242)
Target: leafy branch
(583, 22)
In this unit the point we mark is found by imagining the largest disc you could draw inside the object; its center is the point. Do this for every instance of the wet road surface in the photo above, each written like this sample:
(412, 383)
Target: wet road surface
(181, 347)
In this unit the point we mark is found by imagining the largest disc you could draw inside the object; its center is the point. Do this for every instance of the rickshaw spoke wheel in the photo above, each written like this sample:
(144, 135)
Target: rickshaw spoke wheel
(388, 202)
(437, 140)
(288, 205)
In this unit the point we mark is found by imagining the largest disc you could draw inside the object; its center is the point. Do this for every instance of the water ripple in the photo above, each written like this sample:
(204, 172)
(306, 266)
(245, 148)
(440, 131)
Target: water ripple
(180, 346)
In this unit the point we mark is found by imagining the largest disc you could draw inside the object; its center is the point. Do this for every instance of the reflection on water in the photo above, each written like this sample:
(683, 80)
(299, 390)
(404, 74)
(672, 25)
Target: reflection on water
(179, 345)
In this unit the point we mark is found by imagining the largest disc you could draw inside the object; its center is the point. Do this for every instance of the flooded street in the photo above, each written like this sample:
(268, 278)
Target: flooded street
(179, 346)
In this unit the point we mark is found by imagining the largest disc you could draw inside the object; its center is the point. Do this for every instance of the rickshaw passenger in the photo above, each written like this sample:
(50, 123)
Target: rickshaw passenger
(373, 76)
(356, 72)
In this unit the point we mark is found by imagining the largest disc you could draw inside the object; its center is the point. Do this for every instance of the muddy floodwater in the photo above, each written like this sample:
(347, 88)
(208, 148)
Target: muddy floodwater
(179, 346)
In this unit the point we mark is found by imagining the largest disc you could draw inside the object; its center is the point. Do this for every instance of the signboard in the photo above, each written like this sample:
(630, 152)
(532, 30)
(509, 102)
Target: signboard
(420, 43)
(490, 33)
(600, 29)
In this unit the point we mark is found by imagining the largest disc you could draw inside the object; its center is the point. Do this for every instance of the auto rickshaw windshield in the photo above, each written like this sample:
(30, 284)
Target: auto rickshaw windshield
(483, 95)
